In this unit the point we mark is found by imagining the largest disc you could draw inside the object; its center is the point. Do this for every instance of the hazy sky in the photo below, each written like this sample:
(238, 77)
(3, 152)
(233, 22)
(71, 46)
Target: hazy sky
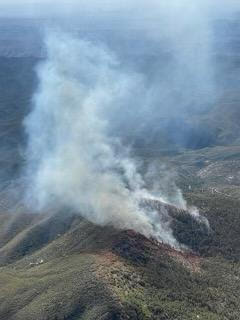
(52, 8)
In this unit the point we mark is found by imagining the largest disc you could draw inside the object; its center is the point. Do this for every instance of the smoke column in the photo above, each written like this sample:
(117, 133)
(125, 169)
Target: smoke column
(72, 161)
(92, 102)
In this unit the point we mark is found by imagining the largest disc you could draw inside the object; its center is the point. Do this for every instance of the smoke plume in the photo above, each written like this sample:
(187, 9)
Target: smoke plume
(72, 161)
(137, 79)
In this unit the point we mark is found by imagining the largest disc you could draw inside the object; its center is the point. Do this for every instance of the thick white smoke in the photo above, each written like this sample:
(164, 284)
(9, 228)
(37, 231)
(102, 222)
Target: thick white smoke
(72, 161)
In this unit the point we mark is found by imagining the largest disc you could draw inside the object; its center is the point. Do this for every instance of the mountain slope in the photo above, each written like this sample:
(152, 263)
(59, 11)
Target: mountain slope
(63, 267)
